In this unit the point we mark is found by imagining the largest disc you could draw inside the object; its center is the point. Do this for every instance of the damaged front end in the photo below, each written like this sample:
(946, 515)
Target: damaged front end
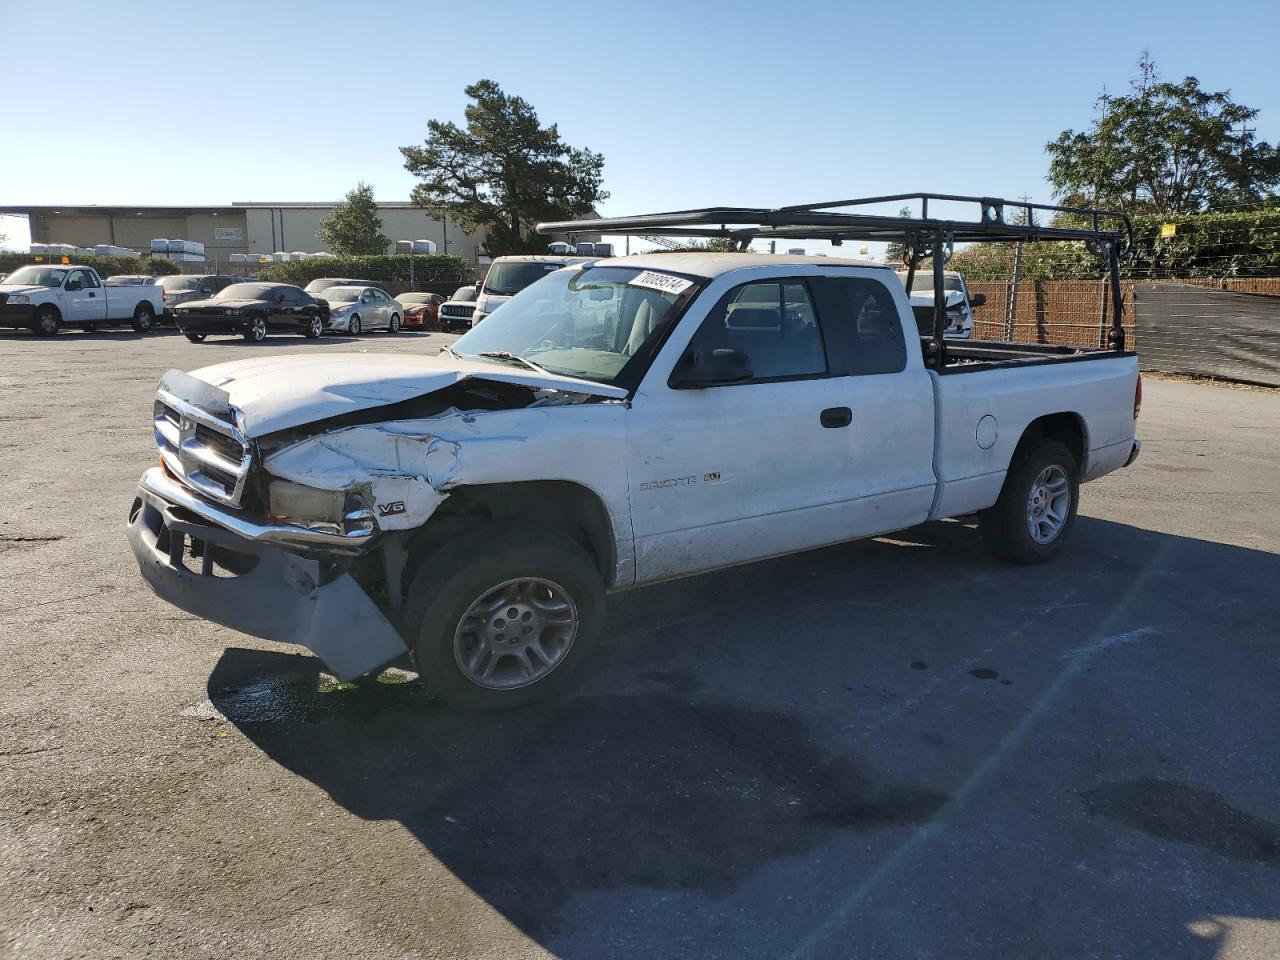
(299, 535)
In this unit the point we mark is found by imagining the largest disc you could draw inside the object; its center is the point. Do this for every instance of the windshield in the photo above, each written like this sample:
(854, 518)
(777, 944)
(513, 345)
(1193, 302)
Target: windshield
(343, 294)
(414, 298)
(586, 323)
(178, 284)
(324, 283)
(507, 279)
(37, 277)
(244, 291)
(464, 295)
(922, 283)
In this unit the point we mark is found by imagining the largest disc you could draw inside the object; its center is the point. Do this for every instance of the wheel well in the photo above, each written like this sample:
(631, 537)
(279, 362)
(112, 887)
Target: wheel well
(47, 306)
(143, 303)
(1066, 428)
(560, 505)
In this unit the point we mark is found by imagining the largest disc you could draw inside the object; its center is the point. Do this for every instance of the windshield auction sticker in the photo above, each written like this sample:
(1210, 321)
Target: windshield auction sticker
(662, 282)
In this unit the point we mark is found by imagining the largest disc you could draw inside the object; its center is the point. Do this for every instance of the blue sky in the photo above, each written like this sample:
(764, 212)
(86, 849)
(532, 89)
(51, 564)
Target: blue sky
(692, 103)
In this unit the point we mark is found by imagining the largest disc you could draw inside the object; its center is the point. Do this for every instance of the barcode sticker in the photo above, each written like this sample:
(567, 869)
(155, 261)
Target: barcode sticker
(662, 282)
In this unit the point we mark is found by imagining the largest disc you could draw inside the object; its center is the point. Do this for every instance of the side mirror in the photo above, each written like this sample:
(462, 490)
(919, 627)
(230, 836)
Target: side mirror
(711, 368)
(479, 284)
(977, 300)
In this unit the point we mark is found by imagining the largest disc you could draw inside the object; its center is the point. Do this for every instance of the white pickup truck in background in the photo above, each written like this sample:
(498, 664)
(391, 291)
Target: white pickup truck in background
(614, 424)
(958, 302)
(46, 298)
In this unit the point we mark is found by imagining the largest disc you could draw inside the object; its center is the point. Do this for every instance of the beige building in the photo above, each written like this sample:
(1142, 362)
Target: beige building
(256, 229)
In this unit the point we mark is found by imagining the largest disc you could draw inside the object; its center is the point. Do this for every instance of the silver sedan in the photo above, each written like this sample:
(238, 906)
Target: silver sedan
(356, 309)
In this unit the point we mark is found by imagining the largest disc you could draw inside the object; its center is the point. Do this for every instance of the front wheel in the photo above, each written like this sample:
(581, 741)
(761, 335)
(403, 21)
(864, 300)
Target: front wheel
(1037, 505)
(353, 326)
(196, 337)
(505, 626)
(256, 332)
(144, 317)
(315, 327)
(47, 322)
(394, 326)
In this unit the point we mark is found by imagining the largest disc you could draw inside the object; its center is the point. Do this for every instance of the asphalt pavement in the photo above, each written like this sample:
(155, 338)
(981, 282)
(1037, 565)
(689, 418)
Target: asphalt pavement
(899, 748)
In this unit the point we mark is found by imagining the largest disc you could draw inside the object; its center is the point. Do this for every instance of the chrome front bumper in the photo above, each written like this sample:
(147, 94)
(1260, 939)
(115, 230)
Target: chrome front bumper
(221, 567)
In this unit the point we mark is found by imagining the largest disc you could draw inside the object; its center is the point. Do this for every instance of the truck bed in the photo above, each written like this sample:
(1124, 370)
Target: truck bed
(967, 356)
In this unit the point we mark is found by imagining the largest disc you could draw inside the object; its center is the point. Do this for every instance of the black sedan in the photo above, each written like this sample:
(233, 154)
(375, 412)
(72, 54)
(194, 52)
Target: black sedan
(253, 310)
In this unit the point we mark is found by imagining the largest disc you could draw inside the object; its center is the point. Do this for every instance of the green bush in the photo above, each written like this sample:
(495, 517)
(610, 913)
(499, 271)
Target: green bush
(426, 269)
(1207, 245)
(106, 266)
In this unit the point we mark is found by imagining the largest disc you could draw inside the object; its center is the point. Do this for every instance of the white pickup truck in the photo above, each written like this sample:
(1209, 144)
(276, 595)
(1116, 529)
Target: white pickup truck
(47, 298)
(615, 424)
(959, 305)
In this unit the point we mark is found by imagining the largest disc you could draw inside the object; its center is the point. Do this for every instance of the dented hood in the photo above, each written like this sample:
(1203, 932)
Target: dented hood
(952, 298)
(280, 392)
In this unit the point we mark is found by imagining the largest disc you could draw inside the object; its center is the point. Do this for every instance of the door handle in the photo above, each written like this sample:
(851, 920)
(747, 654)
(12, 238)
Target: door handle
(837, 417)
(92, 294)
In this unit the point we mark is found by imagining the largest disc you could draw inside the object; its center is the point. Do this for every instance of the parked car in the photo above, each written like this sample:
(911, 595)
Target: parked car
(456, 312)
(421, 310)
(959, 304)
(253, 310)
(130, 280)
(632, 421)
(319, 286)
(507, 276)
(185, 288)
(46, 298)
(356, 309)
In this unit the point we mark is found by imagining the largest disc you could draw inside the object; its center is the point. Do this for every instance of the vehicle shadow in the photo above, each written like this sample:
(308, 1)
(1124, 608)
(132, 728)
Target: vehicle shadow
(708, 746)
(74, 334)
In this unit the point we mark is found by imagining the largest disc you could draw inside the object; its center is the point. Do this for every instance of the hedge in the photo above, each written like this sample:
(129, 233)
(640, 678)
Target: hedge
(106, 266)
(425, 269)
(1206, 245)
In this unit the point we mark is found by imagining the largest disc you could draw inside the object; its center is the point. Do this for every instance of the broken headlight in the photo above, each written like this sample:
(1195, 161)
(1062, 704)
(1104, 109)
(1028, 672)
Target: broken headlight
(341, 512)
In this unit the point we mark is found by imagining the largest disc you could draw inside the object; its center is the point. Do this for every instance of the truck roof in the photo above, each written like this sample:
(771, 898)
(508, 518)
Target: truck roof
(712, 264)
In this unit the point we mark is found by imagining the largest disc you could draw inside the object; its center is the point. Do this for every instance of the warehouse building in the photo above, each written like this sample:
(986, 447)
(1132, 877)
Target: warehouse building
(255, 229)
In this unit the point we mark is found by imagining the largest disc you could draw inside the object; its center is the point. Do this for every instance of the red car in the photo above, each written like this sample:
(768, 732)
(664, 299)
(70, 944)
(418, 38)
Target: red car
(421, 310)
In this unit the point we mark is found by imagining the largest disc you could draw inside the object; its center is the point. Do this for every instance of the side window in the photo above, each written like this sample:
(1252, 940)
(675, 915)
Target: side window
(90, 281)
(75, 280)
(862, 326)
(773, 323)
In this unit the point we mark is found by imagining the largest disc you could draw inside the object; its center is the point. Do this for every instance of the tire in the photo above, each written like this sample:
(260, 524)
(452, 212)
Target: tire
(394, 326)
(47, 321)
(196, 337)
(543, 569)
(1031, 500)
(90, 328)
(256, 332)
(315, 327)
(144, 318)
(353, 326)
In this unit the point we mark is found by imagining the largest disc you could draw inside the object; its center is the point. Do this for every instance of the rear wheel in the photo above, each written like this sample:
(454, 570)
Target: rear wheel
(1037, 506)
(315, 327)
(90, 327)
(144, 317)
(506, 626)
(394, 326)
(47, 321)
(196, 337)
(256, 332)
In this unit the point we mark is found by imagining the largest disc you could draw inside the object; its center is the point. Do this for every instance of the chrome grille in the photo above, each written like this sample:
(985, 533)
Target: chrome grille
(207, 454)
(457, 309)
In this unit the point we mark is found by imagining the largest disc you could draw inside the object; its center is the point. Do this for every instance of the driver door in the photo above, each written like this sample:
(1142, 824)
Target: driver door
(734, 472)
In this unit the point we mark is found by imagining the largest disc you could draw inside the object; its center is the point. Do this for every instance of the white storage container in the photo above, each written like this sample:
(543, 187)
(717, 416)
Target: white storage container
(159, 246)
(279, 257)
(602, 249)
(110, 250)
(404, 246)
(39, 248)
(560, 248)
(424, 246)
(237, 258)
(585, 249)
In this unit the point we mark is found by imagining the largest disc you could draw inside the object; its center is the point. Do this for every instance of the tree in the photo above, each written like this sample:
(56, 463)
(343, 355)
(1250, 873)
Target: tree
(504, 172)
(1165, 147)
(354, 228)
